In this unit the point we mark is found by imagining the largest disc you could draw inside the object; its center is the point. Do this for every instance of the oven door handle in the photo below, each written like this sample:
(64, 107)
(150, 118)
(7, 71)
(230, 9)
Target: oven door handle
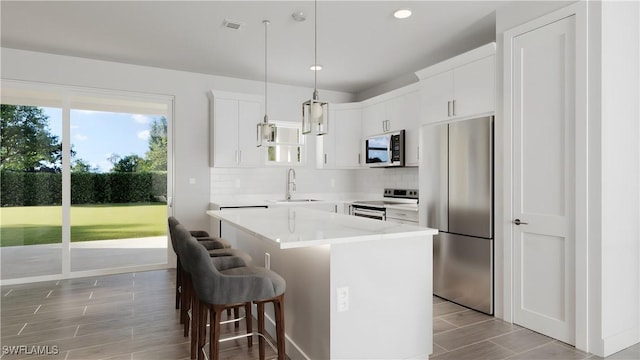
(374, 214)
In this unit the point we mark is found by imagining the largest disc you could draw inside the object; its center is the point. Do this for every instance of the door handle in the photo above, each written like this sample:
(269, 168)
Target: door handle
(518, 222)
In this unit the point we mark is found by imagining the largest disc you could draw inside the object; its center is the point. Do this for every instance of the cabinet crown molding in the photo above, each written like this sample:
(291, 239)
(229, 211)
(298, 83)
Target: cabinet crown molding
(454, 62)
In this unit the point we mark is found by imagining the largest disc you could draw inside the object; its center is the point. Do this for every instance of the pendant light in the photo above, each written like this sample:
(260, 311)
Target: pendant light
(266, 132)
(315, 113)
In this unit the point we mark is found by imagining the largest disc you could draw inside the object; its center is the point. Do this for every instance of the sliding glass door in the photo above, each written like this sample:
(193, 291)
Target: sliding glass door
(94, 200)
(30, 201)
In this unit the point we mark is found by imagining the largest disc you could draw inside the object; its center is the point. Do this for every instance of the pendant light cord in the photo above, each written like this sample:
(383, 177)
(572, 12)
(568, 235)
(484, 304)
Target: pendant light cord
(315, 41)
(266, 24)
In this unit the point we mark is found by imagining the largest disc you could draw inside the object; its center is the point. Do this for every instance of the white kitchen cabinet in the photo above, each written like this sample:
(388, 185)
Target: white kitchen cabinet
(340, 148)
(436, 95)
(400, 112)
(374, 117)
(474, 88)
(234, 118)
(458, 88)
(407, 117)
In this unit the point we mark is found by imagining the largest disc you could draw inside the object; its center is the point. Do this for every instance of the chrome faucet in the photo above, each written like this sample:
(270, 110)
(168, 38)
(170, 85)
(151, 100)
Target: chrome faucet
(291, 182)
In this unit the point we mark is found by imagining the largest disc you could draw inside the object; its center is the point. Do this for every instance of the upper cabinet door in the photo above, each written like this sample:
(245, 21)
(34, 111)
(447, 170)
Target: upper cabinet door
(249, 114)
(436, 94)
(340, 148)
(373, 119)
(224, 150)
(474, 88)
(347, 138)
(408, 115)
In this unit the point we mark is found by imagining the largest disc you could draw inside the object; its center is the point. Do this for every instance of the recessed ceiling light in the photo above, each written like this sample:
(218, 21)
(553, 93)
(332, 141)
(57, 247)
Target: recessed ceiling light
(316, 67)
(402, 14)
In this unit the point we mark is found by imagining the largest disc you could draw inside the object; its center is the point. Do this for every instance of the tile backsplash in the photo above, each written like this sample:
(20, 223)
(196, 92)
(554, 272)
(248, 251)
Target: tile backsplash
(272, 180)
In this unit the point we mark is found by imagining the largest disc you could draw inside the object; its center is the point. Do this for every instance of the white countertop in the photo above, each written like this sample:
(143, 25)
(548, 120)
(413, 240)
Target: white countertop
(300, 227)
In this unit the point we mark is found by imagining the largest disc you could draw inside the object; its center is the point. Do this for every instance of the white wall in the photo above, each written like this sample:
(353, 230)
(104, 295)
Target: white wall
(620, 114)
(191, 122)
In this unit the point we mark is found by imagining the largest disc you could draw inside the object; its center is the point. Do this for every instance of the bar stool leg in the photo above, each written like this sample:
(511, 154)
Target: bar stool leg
(248, 322)
(202, 326)
(195, 325)
(261, 353)
(186, 305)
(215, 315)
(278, 307)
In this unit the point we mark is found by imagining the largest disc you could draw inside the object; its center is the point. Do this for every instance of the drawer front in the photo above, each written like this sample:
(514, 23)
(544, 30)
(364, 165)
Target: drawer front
(402, 214)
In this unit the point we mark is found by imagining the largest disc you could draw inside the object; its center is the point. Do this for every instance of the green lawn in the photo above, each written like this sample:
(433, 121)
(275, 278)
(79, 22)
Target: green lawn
(30, 225)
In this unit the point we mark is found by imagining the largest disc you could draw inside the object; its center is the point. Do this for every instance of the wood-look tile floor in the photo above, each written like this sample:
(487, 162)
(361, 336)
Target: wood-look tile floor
(460, 333)
(133, 316)
(127, 316)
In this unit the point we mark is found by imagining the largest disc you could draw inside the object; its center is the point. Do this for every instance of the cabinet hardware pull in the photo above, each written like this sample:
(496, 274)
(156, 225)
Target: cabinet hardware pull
(449, 108)
(454, 107)
(359, 159)
(325, 158)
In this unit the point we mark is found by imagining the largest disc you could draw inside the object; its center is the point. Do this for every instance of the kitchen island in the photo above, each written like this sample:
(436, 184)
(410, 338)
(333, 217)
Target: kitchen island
(357, 288)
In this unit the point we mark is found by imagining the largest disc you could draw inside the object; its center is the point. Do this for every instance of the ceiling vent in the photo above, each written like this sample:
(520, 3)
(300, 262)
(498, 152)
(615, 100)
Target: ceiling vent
(232, 24)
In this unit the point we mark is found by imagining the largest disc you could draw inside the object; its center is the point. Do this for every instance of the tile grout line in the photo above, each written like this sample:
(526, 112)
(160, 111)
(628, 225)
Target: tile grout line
(533, 348)
(477, 342)
(23, 326)
(462, 327)
(456, 326)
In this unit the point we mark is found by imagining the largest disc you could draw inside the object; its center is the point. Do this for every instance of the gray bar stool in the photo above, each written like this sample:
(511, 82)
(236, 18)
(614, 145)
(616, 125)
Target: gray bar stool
(218, 290)
(215, 245)
(189, 300)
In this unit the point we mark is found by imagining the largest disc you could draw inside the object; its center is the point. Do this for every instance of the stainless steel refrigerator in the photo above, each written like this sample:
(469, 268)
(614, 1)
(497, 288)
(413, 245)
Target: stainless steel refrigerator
(457, 189)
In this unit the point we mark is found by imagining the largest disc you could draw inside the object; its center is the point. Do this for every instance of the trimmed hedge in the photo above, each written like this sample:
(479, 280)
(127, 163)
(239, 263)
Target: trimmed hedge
(33, 189)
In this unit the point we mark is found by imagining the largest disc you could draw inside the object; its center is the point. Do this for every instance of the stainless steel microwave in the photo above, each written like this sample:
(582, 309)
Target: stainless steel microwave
(385, 150)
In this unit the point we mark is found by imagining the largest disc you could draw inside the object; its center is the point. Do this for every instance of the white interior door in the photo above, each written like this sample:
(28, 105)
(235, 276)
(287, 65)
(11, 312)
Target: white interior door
(543, 95)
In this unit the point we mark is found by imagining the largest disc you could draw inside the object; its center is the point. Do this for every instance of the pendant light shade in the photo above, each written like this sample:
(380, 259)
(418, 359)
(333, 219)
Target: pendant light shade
(315, 113)
(265, 131)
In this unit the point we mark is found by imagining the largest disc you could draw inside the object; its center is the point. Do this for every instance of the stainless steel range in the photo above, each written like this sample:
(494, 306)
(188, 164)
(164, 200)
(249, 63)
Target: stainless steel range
(377, 209)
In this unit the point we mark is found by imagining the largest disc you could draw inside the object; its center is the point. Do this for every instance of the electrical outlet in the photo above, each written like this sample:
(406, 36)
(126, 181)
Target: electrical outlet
(342, 297)
(267, 261)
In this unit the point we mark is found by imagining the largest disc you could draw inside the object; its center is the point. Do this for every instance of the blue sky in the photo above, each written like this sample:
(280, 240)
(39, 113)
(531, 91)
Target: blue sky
(95, 135)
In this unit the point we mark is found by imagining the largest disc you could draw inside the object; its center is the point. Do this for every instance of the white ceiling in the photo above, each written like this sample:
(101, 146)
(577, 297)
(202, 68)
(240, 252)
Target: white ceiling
(360, 44)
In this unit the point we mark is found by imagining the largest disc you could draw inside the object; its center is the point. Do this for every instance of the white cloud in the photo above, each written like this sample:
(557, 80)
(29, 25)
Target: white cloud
(141, 119)
(81, 137)
(144, 135)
